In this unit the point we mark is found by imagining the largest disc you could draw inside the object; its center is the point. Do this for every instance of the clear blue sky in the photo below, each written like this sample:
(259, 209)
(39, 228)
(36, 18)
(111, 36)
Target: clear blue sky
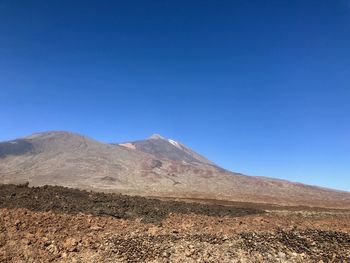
(259, 87)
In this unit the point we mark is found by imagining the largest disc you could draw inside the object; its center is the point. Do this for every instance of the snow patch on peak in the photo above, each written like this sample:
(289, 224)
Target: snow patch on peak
(176, 144)
(156, 136)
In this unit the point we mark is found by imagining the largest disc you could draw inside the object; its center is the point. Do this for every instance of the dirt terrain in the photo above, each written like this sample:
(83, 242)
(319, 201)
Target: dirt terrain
(65, 200)
(56, 224)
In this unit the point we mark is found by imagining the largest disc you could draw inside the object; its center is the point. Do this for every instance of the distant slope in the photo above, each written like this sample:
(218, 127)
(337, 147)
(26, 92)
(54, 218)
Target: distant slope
(155, 166)
(69, 159)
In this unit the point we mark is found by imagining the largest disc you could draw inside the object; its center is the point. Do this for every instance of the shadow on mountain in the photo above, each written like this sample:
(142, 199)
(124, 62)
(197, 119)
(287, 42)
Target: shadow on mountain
(16, 147)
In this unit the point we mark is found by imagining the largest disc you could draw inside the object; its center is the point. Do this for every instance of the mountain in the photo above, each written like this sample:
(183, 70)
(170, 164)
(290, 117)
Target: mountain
(161, 147)
(153, 167)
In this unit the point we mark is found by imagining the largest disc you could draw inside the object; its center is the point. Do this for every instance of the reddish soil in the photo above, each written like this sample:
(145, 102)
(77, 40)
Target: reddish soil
(66, 225)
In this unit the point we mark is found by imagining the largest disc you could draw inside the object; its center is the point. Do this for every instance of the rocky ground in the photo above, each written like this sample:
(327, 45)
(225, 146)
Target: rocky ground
(56, 224)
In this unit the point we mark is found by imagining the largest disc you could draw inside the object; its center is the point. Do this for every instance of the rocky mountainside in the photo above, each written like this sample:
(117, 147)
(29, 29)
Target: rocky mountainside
(152, 167)
(161, 147)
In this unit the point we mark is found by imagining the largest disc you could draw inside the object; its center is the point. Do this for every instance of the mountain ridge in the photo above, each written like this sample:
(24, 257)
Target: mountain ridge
(154, 167)
(162, 147)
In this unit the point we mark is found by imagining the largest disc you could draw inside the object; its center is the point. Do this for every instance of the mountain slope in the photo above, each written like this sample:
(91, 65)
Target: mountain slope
(161, 147)
(154, 167)
(69, 159)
